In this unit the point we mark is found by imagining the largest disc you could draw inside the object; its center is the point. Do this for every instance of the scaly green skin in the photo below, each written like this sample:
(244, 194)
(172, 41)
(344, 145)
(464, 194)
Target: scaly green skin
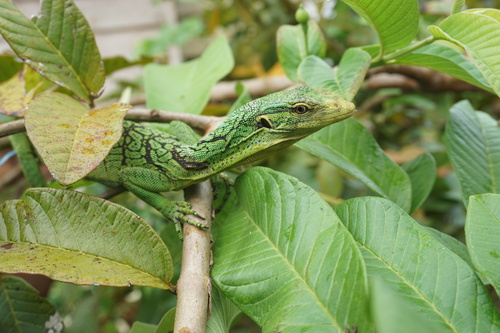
(147, 161)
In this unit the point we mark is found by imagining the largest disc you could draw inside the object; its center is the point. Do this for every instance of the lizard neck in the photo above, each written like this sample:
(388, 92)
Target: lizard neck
(235, 143)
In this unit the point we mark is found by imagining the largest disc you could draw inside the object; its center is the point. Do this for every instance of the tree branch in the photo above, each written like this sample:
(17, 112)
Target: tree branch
(415, 78)
(198, 122)
(12, 127)
(194, 286)
(256, 87)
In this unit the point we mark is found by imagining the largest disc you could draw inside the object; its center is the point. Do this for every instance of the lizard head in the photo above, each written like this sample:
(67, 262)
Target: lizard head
(299, 112)
(269, 124)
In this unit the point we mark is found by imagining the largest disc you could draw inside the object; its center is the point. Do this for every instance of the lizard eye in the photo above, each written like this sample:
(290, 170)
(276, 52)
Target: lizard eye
(301, 108)
(264, 122)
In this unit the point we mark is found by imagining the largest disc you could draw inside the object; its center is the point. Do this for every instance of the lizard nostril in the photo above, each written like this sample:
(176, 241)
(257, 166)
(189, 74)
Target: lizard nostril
(264, 122)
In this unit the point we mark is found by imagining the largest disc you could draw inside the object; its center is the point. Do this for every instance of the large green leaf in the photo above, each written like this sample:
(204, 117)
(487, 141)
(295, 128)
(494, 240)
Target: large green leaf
(395, 21)
(72, 139)
(422, 173)
(482, 231)
(58, 44)
(186, 87)
(73, 237)
(473, 144)
(390, 311)
(479, 34)
(283, 257)
(224, 312)
(344, 80)
(429, 278)
(452, 244)
(446, 60)
(22, 310)
(350, 147)
(293, 46)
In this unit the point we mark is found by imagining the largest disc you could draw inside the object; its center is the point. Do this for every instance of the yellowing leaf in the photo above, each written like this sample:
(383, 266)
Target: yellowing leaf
(73, 237)
(71, 139)
(12, 96)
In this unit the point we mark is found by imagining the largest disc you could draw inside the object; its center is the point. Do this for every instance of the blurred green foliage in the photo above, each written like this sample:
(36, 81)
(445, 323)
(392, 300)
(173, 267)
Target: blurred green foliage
(400, 119)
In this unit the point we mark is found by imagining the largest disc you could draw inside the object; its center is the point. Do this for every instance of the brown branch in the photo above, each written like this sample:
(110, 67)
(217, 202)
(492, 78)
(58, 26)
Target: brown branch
(198, 122)
(416, 78)
(114, 191)
(194, 286)
(256, 87)
(12, 127)
(226, 89)
(5, 143)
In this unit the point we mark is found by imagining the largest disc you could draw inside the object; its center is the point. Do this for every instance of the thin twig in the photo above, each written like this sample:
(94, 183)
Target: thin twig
(424, 79)
(256, 87)
(198, 122)
(226, 90)
(112, 192)
(5, 143)
(194, 286)
(12, 127)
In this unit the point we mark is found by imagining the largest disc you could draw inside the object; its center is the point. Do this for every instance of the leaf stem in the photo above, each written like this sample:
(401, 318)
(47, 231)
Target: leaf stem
(408, 49)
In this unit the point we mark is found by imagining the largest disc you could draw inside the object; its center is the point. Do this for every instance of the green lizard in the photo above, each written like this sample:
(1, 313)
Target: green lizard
(147, 161)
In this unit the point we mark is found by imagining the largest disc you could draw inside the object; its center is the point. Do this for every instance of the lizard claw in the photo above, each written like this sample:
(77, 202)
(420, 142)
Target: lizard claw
(179, 217)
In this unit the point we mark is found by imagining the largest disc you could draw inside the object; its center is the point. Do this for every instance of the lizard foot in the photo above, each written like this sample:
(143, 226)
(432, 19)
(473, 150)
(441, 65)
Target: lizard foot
(179, 217)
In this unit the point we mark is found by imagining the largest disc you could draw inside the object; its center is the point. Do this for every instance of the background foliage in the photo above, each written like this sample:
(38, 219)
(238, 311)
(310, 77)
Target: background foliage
(362, 228)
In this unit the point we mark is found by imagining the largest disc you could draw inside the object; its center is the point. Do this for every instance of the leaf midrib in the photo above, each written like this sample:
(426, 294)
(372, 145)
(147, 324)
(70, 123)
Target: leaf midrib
(386, 264)
(322, 306)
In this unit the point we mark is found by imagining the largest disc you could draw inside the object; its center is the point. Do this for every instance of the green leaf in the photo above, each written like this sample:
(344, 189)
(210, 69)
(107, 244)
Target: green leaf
(168, 35)
(351, 148)
(8, 67)
(73, 237)
(429, 278)
(479, 34)
(114, 64)
(284, 258)
(390, 312)
(422, 173)
(293, 47)
(446, 60)
(243, 97)
(166, 323)
(58, 44)
(21, 307)
(452, 244)
(139, 327)
(395, 21)
(186, 87)
(482, 231)
(72, 139)
(224, 312)
(458, 6)
(344, 80)
(473, 145)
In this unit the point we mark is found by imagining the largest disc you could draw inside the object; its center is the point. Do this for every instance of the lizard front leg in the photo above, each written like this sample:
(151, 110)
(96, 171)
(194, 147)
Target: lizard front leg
(147, 185)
